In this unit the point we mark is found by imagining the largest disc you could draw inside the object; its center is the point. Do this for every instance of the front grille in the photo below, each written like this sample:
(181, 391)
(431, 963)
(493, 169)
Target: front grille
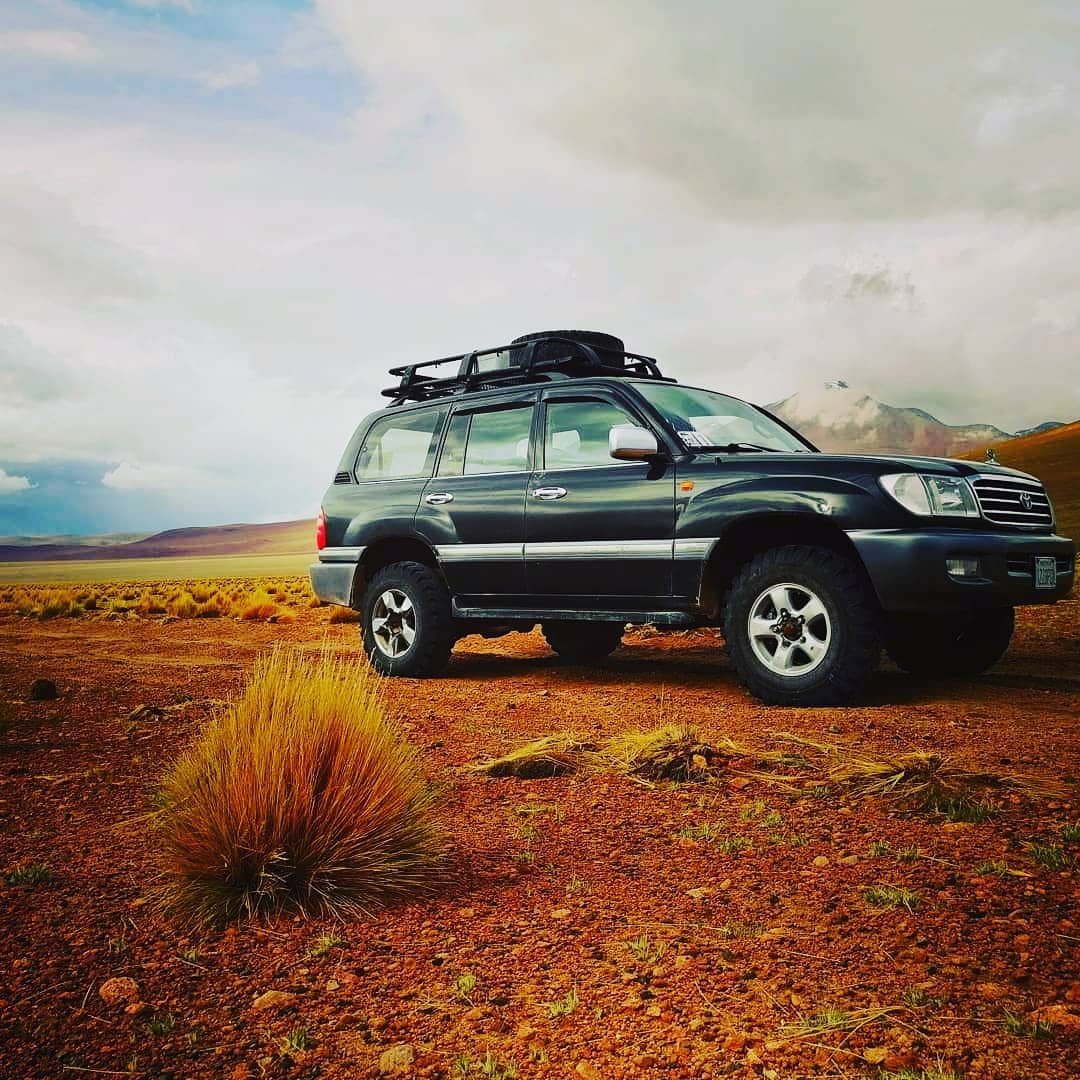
(1008, 500)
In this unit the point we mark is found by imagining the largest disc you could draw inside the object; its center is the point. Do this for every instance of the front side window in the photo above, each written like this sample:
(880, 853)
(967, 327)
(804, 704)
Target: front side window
(400, 447)
(494, 441)
(705, 420)
(576, 433)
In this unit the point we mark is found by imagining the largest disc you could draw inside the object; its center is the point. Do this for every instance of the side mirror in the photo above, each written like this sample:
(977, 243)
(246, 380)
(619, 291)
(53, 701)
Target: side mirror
(629, 443)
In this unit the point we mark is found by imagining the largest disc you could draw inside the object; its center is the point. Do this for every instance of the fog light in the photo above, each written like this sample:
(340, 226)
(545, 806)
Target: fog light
(962, 567)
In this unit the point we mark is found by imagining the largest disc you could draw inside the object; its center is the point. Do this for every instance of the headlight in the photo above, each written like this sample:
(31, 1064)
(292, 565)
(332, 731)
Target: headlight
(931, 496)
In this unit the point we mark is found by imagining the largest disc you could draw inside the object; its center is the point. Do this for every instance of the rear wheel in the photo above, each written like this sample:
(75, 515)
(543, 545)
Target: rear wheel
(583, 642)
(802, 627)
(405, 621)
(950, 645)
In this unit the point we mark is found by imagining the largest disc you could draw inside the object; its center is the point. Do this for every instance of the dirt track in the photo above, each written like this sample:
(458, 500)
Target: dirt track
(549, 898)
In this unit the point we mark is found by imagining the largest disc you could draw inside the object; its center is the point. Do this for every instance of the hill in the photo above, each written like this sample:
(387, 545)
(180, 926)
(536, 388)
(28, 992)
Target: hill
(276, 538)
(838, 417)
(1054, 457)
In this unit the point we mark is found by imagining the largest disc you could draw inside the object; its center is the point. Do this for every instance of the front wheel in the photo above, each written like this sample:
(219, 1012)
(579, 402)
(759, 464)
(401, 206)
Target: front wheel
(950, 645)
(802, 627)
(582, 642)
(405, 621)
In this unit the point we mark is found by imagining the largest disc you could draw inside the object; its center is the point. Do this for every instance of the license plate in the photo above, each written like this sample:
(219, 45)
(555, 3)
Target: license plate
(1045, 573)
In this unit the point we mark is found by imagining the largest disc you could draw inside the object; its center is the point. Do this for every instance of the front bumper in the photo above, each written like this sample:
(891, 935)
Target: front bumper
(907, 568)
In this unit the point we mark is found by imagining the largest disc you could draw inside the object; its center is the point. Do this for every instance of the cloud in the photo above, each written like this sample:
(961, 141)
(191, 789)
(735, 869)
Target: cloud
(780, 112)
(232, 77)
(9, 485)
(156, 5)
(56, 46)
(128, 476)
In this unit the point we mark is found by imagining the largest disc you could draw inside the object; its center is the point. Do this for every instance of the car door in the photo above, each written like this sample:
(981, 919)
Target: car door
(596, 530)
(473, 509)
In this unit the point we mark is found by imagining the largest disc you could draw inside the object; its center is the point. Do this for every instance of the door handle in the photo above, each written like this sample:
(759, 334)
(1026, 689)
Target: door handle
(437, 498)
(549, 493)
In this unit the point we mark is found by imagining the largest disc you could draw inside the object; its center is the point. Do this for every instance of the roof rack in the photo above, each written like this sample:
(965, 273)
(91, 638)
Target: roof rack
(517, 363)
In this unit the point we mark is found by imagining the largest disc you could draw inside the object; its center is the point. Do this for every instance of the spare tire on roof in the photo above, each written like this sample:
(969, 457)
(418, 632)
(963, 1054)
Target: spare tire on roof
(553, 350)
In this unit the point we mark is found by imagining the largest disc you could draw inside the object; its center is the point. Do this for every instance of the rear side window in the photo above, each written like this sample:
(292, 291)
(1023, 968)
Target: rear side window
(400, 447)
(495, 441)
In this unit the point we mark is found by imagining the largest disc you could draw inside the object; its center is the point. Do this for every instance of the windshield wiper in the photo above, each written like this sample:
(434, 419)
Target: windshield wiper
(736, 447)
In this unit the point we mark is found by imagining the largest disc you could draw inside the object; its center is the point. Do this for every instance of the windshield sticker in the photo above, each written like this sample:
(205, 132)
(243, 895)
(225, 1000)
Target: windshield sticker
(693, 438)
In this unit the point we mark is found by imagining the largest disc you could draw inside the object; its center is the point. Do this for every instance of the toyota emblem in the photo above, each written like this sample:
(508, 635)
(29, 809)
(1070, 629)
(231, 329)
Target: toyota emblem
(1025, 500)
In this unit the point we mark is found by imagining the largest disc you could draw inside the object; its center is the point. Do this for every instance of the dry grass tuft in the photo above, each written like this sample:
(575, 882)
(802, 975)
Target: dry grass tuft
(258, 606)
(671, 752)
(553, 755)
(920, 780)
(300, 794)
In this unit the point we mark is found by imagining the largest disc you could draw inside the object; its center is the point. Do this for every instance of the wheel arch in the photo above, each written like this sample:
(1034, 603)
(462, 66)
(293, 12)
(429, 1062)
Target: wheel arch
(749, 537)
(384, 552)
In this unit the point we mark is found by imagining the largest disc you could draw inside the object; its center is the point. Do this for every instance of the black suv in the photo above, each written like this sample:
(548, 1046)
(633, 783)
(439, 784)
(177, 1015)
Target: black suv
(564, 481)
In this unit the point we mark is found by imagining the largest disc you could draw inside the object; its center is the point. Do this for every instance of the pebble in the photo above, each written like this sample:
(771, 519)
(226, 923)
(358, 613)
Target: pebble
(43, 690)
(821, 860)
(397, 1061)
(273, 999)
(119, 991)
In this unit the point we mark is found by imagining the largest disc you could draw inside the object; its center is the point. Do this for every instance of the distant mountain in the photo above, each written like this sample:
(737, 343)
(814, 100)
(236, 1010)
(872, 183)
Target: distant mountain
(836, 416)
(277, 538)
(1050, 425)
(1053, 456)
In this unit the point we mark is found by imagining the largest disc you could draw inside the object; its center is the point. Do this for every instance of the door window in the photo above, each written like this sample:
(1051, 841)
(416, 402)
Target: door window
(494, 441)
(576, 434)
(399, 447)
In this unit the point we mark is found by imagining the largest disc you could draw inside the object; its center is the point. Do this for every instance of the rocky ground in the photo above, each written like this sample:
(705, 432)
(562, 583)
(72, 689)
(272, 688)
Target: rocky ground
(597, 927)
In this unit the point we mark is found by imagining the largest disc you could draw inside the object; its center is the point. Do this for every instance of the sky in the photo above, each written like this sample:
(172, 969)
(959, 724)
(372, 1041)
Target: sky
(221, 221)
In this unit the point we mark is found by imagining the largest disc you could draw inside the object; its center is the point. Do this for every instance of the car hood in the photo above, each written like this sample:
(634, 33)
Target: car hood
(888, 463)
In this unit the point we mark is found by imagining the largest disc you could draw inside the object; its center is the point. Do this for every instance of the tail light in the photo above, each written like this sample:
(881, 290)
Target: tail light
(320, 530)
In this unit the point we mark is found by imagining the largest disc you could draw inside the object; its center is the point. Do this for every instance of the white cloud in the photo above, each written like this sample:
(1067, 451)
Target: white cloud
(128, 476)
(11, 484)
(58, 46)
(232, 77)
(154, 5)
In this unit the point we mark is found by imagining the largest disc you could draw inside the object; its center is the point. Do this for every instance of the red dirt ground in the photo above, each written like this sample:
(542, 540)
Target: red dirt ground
(547, 900)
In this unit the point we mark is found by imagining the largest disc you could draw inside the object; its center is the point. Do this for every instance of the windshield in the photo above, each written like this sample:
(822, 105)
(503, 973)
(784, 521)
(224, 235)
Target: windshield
(704, 420)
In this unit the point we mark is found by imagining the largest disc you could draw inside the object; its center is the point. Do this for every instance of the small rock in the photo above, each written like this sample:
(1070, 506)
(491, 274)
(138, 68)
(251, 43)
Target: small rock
(700, 893)
(397, 1060)
(119, 991)
(561, 913)
(848, 860)
(43, 690)
(273, 999)
(1057, 1015)
(821, 860)
(875, 1055)
(136, 1008)
(734, 1043)
(589, 1072)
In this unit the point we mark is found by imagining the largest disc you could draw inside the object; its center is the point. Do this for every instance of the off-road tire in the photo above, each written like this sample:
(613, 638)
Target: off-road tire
(941, 646)
(582, 642)
(434, 631)
(854, 647)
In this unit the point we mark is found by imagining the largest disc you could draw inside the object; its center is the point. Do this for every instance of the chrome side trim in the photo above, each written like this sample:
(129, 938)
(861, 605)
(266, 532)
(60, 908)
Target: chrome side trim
(694, 549)
(341, 554)
(479, 552)
(599, 549)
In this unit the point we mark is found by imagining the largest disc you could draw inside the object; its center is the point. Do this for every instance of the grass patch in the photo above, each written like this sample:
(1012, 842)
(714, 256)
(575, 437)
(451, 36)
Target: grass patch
(31, 874)
(645, 951)
(563, 1006)
(1049, 855)
(886, 897)
(325, 943)
(671, 752)
(1070, 833)
(299, 794)
(1022, 1028)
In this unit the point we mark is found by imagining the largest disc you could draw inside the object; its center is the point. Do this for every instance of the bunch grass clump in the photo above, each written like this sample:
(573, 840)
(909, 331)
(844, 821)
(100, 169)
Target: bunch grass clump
(299, 795)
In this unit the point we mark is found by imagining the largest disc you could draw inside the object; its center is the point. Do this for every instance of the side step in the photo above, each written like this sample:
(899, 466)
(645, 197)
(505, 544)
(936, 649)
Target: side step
(514, 614)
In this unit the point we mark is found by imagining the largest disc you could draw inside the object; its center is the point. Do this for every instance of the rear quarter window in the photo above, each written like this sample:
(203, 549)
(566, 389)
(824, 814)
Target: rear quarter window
(400, 447)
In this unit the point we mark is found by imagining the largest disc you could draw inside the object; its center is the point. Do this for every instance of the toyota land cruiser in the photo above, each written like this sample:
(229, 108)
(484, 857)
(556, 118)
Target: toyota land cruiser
(562, 480)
